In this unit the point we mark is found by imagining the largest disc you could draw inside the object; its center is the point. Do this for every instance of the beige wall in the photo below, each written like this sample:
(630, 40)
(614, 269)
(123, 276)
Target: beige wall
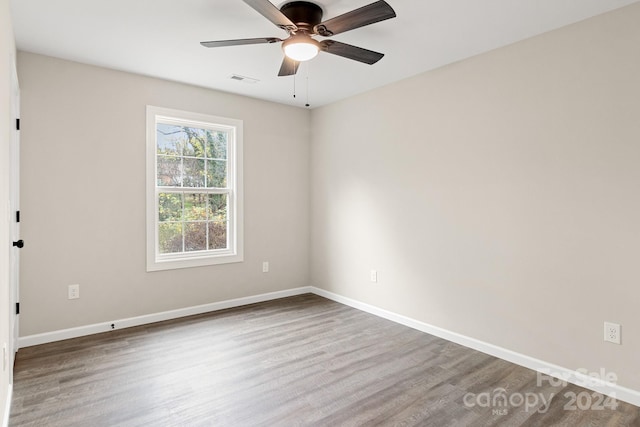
(7, 55)
(83, 196)
(497, 197)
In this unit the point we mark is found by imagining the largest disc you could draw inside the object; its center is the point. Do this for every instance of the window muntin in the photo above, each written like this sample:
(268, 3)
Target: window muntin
(192, 222)
(197, 188)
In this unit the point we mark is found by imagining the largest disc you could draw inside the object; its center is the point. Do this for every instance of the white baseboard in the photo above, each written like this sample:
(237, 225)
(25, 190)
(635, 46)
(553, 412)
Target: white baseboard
(599, 385)
(7, 408)
(47, 337)
(569, 375)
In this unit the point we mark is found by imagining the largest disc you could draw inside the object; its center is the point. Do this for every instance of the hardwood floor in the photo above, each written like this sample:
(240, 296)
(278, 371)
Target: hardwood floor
(302, 360)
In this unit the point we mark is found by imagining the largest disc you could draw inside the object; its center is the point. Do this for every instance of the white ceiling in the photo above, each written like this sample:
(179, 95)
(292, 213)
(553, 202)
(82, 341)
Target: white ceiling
(161, 38)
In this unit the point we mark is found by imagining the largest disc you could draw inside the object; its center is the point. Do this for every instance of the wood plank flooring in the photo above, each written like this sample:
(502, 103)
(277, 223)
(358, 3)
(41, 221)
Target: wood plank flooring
(296, 361)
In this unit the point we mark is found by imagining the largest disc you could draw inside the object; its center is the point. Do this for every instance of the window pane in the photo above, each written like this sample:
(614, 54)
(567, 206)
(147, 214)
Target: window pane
(170, 237)
(193, 196)
(169, 171)
(195, 236)
(217, 207)
(169, 207)
(217, 235)
(195, 206)
(216, 145)
(167, 139)
(217, 173)
(195, 140)
(193, 173)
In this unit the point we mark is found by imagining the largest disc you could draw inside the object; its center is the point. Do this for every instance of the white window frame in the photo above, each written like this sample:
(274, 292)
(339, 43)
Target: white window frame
(234, 190)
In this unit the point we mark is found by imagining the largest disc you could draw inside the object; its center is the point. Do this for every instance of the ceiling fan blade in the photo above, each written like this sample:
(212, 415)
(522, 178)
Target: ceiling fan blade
(370, 14)
(222, 43)
(272, 13)
(351, 52)
(289, 67)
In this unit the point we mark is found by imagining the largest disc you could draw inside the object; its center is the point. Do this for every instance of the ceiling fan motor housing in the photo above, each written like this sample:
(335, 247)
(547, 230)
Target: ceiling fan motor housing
(304, 14)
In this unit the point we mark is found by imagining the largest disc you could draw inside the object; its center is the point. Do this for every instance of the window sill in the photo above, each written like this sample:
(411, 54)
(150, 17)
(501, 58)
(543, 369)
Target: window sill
(201, 261)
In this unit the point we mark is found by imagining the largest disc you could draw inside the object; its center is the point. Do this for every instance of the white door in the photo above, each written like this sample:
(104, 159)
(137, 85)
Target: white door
(14, 272)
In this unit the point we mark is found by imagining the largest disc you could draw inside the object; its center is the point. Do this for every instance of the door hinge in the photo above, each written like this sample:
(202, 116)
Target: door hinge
(17, 124)
(17, 308)
(17, 216)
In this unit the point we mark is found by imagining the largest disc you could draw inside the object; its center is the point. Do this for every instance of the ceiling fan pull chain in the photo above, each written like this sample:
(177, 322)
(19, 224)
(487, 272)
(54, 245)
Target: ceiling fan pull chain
(294, 85)
(307, 103)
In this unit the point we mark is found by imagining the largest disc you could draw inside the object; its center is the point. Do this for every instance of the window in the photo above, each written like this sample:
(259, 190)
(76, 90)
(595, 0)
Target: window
(194, 189)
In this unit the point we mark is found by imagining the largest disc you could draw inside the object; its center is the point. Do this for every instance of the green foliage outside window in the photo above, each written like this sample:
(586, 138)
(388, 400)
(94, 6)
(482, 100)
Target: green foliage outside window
(191, 158)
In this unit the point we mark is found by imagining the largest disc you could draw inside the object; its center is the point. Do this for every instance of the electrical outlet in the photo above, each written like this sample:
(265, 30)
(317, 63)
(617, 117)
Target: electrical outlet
(612, 332)
(74, 292)
(374, 276)
(265, 266)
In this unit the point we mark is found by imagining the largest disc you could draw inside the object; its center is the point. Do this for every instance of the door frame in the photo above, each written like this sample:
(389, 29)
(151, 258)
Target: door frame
(14, 204)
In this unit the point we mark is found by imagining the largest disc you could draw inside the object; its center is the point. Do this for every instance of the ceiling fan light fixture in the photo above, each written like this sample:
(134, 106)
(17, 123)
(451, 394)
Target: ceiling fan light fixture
(301, 48)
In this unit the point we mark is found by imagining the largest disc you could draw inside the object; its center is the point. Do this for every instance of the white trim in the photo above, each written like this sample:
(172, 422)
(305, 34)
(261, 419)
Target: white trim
(234, 190)
(572, 376)
(7, 407)
(96, 328)
(599, 385)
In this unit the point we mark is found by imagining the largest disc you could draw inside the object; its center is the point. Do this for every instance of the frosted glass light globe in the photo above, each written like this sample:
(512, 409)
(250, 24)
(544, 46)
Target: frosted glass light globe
(301, 48)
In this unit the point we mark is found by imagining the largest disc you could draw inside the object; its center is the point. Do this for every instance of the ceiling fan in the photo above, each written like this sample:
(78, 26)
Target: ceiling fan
(303, 20)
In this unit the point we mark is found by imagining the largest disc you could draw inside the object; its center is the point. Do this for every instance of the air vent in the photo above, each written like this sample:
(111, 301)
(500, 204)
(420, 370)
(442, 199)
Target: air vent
(243, 79)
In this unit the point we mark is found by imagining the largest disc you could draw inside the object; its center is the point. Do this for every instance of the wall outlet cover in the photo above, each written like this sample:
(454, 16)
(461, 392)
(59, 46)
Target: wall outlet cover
(612, 332)
(374, 276)
(74, 292)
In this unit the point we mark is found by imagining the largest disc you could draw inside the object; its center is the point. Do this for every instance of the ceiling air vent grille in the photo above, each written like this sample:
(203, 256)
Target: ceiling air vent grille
(243, 79)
